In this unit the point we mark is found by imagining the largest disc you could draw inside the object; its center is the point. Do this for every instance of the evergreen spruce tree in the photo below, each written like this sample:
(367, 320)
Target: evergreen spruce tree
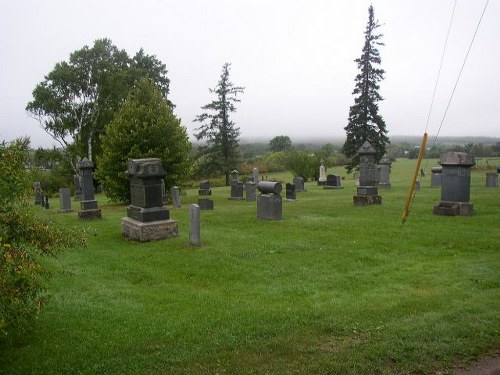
(365, 123)
(220, 153)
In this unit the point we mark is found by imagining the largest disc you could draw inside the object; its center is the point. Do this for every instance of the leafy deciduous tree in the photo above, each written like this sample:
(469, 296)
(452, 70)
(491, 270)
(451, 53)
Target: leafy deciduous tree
(365, 123)
(221, 150)
(280, 143)
(144, 127)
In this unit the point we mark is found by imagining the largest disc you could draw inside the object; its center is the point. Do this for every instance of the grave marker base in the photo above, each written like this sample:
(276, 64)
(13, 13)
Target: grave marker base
(151, 231)
(447, 208)
(366, 200)
(90, 214)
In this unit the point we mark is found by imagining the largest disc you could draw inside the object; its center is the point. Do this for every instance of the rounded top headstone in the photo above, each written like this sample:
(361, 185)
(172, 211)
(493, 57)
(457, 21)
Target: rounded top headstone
(385, 160)
(148, 167)
(85, 164)
(457, 158)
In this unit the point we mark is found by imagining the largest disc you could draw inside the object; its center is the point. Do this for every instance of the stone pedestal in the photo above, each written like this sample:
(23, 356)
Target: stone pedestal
(150, 231)
(269, 207)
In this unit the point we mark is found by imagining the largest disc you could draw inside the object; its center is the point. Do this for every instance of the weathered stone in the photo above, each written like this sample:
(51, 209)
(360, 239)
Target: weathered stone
(269, 187)
(65, 200)
(322, 174)
(491, 180)
(205, 204)
(151, 231)
(251, 191)
(194, 225)
(37, 187)
(290, 192)
(384, 173)
(176, 197)
(299, 184)
(269, 207)
(88, 206)
(333, 181)
(367, 191)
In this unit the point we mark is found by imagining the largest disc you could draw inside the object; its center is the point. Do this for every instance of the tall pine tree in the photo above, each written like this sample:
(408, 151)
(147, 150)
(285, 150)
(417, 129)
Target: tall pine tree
(220, 154)
(365, 123)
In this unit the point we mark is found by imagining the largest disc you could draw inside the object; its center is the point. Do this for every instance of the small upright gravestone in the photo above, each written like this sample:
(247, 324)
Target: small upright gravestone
(333, 181)
(88, 204)
(436, 176)
(385, 173)
(65, 200)
(147, 218)
(290, 192)
(367, 192)
(491, 180)
(299, 184)
(250, 191)
(269, 204)
(78, 187)
(194, 225)
(455, 184)
(204, 188)
(255, 175)
(322, 174)
(176, 197)
(37, 187)
(236, 187)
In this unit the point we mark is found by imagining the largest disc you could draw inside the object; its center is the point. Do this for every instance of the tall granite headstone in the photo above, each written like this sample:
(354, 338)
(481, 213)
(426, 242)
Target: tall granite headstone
(78, 187)
(251, 191)
(455, 184)
(269, 203)
(194, 225)
(88, 204)
(147, 218)
(65, 200)
(367, 191)
(385, 173)
(176, 197)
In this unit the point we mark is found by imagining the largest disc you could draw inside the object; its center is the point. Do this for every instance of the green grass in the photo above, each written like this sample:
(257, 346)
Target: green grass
(330, 289)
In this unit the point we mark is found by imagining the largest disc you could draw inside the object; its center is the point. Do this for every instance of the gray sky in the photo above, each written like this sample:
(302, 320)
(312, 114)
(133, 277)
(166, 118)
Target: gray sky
(294, 57)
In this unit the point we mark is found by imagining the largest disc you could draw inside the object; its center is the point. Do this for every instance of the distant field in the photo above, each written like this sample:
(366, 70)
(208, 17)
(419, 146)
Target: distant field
(330, 289)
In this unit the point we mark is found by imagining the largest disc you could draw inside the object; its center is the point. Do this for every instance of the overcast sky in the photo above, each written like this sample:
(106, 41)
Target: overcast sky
(294, 58)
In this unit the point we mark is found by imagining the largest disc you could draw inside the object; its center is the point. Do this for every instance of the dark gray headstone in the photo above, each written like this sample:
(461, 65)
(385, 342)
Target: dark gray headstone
(491, 180)
(290, 192)
(78, 187)
(88, 204)
(146, 193)
(367, 191)
(269, 187)
(436, 176)
(385, 173)
(269, 207)
(236, 190)
(299, 184)
(333, 181)
(455, 184)
(194, 225)
(65, 200)
(205, 188)
(205, 204)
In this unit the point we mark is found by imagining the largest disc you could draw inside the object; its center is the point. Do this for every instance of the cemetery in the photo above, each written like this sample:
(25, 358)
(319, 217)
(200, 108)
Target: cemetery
(313, 285)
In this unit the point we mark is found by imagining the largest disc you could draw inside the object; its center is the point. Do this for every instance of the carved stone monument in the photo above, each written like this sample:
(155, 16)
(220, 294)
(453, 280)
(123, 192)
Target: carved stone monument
(251, 191)
(299, 184)
(455, 184)
(147, 218)
(236, 187)
(385, 173)
(367, 191)
(269, 203)
(88, 204)
(322, 174)
(65, 200)
(204, 188)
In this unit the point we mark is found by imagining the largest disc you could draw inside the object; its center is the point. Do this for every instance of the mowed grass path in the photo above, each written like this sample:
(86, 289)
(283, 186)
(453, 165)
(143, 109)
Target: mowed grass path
(330, 289)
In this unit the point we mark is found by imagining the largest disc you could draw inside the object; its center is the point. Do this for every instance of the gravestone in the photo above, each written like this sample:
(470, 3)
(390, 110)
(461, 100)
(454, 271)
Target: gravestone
(255, 175)
(455, 184)
(417, 185)
(164, 197)
(147, 218)
(78, 187)
(65, 200)
(322, 174)
(299, 184)
(205, 204)
(436, 176)
(205, 188)
(333, 181)
(37, 187)
(45, 203)
(251, 191)
(88, 204)
(236, 187)
(194, 225)
(176, 197)
(491, 180)
(269, 203)
(385, 173)
(367, 191)
(290, 192)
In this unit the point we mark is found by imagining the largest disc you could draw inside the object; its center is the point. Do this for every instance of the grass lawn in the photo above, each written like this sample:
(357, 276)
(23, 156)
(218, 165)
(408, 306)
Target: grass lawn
(330, 289)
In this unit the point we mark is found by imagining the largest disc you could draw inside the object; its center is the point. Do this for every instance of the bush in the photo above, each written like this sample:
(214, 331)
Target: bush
(23, 240)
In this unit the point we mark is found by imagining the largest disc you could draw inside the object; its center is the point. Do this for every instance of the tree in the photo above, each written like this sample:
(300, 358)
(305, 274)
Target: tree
(302, 163)
(280, 143)
(221, 150)
(365, 123)
(79, 97)
(144, 127)
(24, 239)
